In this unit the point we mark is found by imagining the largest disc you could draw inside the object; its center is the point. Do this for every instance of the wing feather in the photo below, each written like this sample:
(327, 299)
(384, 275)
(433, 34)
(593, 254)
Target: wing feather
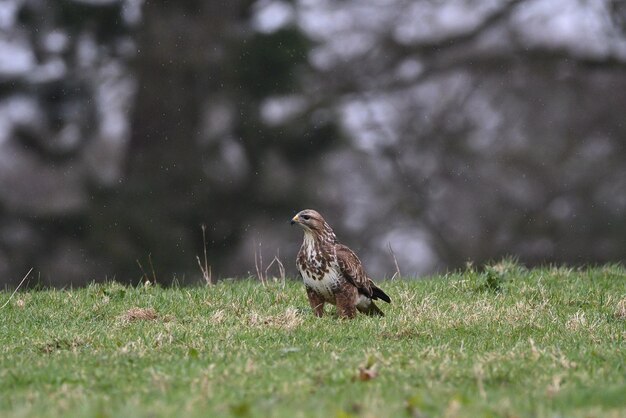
(352, 269)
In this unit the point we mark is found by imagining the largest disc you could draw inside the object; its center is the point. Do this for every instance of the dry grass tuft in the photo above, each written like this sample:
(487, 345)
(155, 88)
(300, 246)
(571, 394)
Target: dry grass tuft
(576, 321)
(218, 317)
(367, 370)
(17, 288)
(205, 268)
(620, 310)
(139, 314)
(287, 320)
(579, 321)
(555, 386)
(365, 374)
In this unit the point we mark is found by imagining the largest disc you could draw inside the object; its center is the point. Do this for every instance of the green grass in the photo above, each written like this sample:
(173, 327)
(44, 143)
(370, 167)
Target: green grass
(505, 342)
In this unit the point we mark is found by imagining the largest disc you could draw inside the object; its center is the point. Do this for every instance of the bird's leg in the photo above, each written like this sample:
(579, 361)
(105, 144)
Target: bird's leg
(345, 300)
(316, 302)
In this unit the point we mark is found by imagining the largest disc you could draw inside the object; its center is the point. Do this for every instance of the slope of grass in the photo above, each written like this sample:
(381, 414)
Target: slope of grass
(504, 342)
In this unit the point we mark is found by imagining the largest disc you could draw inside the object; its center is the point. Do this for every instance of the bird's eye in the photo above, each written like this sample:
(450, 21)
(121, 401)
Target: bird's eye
(306, 217)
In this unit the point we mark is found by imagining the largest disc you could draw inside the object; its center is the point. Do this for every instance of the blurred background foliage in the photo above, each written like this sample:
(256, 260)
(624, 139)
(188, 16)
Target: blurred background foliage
(450, 130)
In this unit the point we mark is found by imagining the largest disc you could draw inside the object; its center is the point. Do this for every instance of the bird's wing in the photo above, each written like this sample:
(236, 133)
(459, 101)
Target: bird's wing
(352, 269)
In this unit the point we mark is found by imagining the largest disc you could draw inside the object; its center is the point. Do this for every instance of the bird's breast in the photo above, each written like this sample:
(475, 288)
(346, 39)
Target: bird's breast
(325, 285)
(315, 259)
(319, 269)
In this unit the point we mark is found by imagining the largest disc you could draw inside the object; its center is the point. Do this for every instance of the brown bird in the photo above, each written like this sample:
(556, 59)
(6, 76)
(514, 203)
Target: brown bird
(332, 273)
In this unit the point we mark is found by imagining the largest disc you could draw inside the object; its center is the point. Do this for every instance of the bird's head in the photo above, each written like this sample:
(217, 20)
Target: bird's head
(311, 221)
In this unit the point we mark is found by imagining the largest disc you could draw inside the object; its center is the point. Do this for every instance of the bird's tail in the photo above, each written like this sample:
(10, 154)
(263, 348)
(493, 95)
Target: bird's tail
(373, 310)
(377, 293)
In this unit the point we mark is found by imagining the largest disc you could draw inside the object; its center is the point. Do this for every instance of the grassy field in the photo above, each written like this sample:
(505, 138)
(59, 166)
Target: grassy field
(502, 342)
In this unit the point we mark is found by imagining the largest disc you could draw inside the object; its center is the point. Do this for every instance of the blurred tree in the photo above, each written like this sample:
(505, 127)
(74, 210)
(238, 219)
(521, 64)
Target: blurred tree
(63, 92)
(498, 126)
(200, 150)
(87, 197)
(468, 130)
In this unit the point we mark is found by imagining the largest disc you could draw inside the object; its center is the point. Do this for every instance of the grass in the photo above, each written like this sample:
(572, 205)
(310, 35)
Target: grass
(503, 342)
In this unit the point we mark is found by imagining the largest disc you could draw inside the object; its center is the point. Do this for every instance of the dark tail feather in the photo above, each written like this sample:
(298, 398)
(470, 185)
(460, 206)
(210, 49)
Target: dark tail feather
(377, 293)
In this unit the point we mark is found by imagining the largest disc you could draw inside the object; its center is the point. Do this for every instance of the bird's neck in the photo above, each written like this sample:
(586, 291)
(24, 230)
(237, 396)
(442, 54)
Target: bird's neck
(313, 239)
(309, 240)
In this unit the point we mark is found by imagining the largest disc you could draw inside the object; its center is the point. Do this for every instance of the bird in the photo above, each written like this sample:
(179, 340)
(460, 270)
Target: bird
(332, 272)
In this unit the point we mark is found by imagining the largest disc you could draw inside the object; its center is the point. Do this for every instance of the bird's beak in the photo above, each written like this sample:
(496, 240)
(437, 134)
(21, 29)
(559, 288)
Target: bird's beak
(295, 219)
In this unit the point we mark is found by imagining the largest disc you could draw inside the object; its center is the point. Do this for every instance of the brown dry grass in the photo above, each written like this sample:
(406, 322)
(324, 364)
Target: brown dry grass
(288, 319)
(620, 310)
(139, 314)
